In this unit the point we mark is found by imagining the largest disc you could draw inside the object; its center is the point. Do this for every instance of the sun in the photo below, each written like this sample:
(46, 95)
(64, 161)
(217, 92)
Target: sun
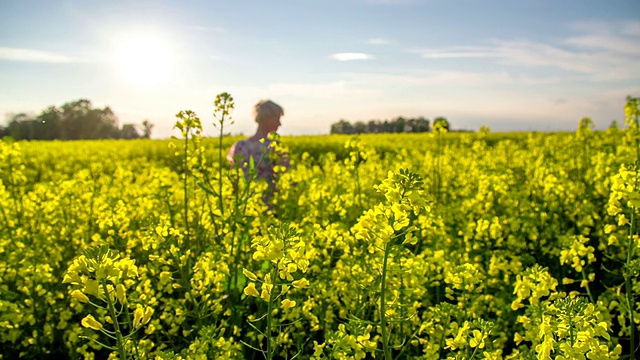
(144, 59)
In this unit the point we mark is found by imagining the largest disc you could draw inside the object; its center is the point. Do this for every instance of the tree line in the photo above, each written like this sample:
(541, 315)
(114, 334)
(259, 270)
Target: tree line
(73, 121)
(397, 125)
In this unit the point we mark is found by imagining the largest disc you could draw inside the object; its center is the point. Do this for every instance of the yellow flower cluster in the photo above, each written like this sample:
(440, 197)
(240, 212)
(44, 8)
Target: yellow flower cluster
(286, 252)
(535, 284)
(101, 273)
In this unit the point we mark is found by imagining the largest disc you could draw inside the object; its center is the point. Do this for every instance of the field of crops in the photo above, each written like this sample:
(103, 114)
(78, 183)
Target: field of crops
(404, 246)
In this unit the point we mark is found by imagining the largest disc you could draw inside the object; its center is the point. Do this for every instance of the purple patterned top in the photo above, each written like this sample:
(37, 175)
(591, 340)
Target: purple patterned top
(261, 152)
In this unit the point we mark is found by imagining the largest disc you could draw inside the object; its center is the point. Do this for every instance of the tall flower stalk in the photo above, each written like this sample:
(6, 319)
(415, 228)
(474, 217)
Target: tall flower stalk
(632, 112)
(190, 127)
(388, 226)
(223, 107)
(285, 254)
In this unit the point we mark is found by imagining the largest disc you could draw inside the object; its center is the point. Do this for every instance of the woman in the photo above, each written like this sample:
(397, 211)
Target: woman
(259, 147)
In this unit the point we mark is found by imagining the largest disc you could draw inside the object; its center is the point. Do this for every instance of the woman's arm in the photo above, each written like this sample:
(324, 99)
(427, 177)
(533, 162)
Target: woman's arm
(231, 153)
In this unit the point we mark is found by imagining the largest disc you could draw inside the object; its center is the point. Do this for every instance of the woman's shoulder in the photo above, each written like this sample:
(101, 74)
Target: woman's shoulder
(241, 144)
(248, 145)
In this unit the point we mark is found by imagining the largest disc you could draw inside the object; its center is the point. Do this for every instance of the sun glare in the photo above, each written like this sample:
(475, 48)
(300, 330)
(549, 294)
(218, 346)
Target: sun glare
(144, 59)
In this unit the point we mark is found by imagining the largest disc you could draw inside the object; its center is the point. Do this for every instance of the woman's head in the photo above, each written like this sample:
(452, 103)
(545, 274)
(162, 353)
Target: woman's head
(267, 115)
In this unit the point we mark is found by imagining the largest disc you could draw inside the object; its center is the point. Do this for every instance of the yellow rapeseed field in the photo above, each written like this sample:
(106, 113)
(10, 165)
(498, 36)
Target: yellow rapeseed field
(394, 246)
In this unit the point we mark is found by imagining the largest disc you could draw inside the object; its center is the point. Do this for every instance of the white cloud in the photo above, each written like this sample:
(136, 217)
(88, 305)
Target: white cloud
(350, 56)
(30, 55)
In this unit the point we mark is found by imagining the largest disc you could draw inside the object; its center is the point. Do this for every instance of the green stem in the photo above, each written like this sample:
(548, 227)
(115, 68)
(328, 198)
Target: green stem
(220, 204)
(135, 340)
(571, 328)
(475, 350)
(270, 347)
(186, 197)
(383, 317)
(240, 203)
(630, 305)
(584, 277)
(116, 324)
(442, 336)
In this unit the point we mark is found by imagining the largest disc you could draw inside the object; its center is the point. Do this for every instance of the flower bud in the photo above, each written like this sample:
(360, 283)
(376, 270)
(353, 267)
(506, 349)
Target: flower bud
(90, 322)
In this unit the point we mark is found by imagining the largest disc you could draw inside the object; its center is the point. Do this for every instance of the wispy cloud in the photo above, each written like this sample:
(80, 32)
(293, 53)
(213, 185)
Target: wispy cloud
(526, 53)
(600, 63)
(378, 41)
(604, 51)
(466, 79)
(350, 56)
(458, 52)
(624, 39)
(30, 55)
(520, 53)
(631, 28)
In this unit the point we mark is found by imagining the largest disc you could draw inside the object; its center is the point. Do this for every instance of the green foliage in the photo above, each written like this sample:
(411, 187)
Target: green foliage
(397, 125)
(72, 121)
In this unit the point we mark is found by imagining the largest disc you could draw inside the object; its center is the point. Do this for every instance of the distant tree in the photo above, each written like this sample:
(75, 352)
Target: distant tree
(24, 126)
(421, 125)
(359, 127)
(21, 126)
(129, 131)
(73, 120)
(147, 126)
(372, 126)
(81, 121)
(51, 125)
(386, 126)
(441, 122)
(397, 125)
(342, 127)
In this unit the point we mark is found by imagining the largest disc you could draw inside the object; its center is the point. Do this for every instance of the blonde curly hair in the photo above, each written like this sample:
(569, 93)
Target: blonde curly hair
(265, 109)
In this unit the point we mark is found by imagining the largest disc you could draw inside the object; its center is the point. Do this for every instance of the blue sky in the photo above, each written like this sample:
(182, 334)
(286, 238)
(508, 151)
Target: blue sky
(510, 65)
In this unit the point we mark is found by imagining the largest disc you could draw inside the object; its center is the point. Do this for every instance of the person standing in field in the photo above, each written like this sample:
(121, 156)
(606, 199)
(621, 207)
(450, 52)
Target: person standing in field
(259, 147)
